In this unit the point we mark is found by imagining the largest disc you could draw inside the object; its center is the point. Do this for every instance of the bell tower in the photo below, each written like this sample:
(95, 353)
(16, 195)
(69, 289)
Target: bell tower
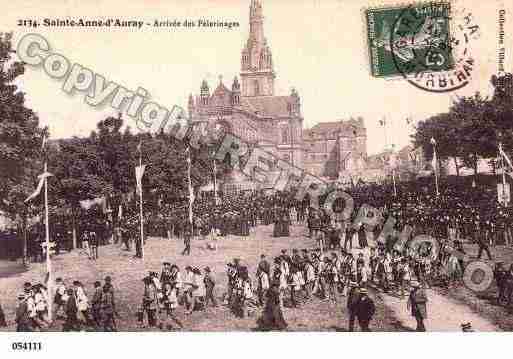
(257, 73)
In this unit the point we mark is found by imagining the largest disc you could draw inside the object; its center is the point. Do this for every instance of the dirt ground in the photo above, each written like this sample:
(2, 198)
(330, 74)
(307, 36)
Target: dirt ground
(128, 272)
(446, 312)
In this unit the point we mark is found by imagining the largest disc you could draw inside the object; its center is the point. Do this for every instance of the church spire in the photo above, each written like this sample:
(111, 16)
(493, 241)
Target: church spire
(257, 74)
(256, 22)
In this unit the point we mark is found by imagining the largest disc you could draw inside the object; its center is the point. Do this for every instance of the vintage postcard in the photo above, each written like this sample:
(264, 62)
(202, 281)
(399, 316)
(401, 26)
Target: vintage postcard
(255, 166)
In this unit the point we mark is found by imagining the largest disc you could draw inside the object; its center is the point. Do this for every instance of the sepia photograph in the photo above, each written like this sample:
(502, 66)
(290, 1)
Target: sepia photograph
(255, 166)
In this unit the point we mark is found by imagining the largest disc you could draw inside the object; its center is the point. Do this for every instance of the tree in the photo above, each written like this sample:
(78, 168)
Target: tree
(20, 141)
(75, 167)
(114, 157)
(478, 135)
(502, 103)
(104, 165)
(444, 128)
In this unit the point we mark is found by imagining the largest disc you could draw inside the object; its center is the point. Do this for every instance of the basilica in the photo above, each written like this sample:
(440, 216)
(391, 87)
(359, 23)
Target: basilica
(250, 109)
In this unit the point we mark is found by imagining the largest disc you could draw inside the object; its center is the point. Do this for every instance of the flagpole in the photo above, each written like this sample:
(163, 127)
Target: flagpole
(215, 182)
(141, 207)
(435, 161)
(393, 164)
(393, 180)
(48, 260)
(190, 184)
(503, 163)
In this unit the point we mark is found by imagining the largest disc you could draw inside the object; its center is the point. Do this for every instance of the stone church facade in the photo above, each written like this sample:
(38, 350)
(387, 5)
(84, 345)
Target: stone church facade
(250, 109)
(335, 149)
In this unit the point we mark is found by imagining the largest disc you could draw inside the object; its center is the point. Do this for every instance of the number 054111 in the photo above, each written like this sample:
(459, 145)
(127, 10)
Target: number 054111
(26, 346)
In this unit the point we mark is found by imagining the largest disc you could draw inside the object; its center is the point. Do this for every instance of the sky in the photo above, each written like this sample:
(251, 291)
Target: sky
(319, 48)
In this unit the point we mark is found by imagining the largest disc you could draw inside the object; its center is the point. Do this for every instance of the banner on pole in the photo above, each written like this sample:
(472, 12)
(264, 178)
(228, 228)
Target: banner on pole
(506, 159)
(88, 203)
(503, 194)
(139, 173)
(39, 186)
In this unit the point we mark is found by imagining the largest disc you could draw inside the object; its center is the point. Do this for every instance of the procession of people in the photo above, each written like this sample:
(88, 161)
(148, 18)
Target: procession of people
(348, 259)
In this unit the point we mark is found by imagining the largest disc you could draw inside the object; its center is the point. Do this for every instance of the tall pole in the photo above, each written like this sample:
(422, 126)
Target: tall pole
(385, 131)
(436, 182)
(215, 181)
(191, 194)
(141, 209)
(435, 165)
(503, 164)
(48, 260)
(393, 180)
(504, 183)
(393, 134)
(393, 163)
(292, 144)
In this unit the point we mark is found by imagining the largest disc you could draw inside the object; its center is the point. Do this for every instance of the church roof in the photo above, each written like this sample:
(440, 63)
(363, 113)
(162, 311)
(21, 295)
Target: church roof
(221, 96)
(272, 106)
(221, 90)
(331, 129)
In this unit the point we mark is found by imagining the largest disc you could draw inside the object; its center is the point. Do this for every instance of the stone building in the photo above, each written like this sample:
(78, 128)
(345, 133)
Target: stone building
(335, 149)
(408, 162)
(250, 109)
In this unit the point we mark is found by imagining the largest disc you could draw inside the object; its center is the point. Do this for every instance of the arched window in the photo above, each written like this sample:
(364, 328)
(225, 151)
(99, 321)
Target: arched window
(285, 138)
(256, 87)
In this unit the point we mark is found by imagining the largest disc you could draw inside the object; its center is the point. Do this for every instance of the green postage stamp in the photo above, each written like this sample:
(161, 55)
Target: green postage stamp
(410, 39)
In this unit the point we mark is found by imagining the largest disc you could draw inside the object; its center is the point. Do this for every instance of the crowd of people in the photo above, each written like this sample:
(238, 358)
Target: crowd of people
(349, 260)
(70, 304)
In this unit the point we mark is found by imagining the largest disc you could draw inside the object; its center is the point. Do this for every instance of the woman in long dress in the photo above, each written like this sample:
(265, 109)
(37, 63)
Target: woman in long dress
(285, 217)
(272, 316)
(278, 223)
(3, 323)
(362, 236)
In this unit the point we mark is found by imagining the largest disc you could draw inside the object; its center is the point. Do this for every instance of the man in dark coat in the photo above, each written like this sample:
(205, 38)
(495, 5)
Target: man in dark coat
(210, 283)
(96, 304)
(3, 323)
(353, 296)
(138, 247)
(499, 274)
(364, 310)
(22, 315)
(264, 264)
(417, 304)
(71, 312)
(165, 275)
(125, 236)
(483, 246)
(187, 240)
(362, 236)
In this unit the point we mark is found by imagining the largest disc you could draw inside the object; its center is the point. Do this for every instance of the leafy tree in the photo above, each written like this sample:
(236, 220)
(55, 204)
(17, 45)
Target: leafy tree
(20, 142)
(114, 159)
(20, 135)
(75, 167)
(478, 135)
(502, 103)
(444, 128)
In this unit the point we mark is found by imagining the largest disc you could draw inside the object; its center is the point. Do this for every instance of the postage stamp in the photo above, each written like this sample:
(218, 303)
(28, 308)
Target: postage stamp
(426, 43)
(405, 40)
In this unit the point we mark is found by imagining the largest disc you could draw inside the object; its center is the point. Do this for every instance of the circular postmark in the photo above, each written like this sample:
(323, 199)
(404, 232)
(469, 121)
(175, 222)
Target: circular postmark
(430, 46)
